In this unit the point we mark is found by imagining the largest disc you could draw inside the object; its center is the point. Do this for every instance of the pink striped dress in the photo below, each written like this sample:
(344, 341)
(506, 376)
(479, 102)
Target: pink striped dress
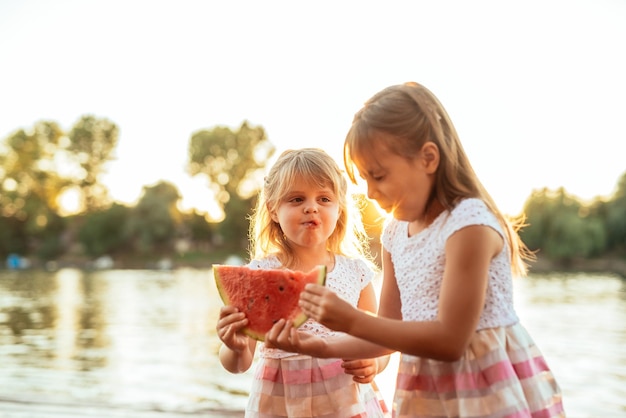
(298, 386)
(502, 373)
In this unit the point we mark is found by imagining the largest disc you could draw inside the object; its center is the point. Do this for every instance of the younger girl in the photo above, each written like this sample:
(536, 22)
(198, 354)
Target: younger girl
(303, 219)
(448, 260)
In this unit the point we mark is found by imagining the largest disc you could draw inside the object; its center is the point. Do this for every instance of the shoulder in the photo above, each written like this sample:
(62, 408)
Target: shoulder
(391, 228)
(470, 212)
(359, 268)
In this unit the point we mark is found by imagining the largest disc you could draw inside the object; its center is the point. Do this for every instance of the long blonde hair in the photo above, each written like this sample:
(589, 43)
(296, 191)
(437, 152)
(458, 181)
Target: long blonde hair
(315, 165)
(411, 115)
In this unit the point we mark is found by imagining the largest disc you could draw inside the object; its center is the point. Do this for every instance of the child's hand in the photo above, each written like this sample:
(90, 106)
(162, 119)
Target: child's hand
(229, 326)
(363, 370)
(287, 338)
(323, 305)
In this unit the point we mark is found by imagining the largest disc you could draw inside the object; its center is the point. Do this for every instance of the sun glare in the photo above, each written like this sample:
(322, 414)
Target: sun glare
(69, 202)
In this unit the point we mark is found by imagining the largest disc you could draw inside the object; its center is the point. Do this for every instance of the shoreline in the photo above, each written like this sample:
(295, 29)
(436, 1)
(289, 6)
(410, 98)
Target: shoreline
(541, 265)
(20, 408)
(596, 265)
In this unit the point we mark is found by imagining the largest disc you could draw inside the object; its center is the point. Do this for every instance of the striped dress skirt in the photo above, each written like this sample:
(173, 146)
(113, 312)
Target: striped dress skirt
(502, 374)
(305, 387)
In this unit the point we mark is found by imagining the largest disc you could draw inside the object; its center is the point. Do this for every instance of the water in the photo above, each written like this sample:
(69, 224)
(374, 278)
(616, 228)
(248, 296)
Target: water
(146, 339)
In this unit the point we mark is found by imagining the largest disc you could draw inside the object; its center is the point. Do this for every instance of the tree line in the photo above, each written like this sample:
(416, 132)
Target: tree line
(41, 165)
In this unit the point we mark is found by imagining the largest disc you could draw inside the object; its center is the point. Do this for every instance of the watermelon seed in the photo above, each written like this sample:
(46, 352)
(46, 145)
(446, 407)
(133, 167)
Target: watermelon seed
(281, 288)
(267, 297)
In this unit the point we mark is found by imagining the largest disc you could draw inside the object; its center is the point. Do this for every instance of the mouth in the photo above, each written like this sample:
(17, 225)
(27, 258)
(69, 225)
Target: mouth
(311, 223)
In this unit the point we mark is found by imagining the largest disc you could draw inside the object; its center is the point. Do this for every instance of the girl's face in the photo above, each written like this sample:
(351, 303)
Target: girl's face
(399, 185)
(308, 214)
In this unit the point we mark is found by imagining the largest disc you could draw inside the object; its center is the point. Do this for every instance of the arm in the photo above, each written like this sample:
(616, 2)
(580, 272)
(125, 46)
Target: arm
(237, 352)
(365, 369)
(468, 254)
(346, 346)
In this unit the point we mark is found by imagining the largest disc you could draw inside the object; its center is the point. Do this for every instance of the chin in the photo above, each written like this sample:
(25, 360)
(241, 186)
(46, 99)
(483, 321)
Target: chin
(401, 216)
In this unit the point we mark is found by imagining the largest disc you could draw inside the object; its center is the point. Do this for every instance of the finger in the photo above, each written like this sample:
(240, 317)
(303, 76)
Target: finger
(363, 379)
(274, 332)
(312, 298)
(285, 333)
(238, 321)
(294, 337)
(228, 310)
(230, 318)
(314, 288)
(352, 363)
(308, 309)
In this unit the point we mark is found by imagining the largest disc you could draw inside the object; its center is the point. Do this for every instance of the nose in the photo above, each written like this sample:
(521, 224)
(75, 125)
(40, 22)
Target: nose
(371, 191)
(310, 209)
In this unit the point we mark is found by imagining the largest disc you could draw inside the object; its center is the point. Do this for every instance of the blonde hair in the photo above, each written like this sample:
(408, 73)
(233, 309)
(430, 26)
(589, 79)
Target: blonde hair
(411, 115)
(315, 165)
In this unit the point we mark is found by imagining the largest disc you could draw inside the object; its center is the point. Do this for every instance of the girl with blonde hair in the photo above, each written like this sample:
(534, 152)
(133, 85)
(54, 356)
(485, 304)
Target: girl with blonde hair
(304, 218)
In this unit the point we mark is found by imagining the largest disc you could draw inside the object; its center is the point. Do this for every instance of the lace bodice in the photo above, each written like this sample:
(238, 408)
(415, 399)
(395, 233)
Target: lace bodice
(419, 262)
(347, 279)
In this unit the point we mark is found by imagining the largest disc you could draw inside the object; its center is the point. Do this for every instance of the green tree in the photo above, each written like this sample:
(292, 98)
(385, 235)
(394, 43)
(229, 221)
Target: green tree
(561, 227)
(198, 230)
(37, 166)
(30, 185)
(12, 237)
(615, 218)
(105, 231)
(155, 221)
(233, 163)
(92, 142)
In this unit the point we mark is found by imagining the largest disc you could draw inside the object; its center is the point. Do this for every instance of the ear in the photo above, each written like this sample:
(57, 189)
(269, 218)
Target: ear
(272, 214)
(429, 157)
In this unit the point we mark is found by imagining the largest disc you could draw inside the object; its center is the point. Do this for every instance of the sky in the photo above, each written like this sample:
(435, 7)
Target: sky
(535, 88)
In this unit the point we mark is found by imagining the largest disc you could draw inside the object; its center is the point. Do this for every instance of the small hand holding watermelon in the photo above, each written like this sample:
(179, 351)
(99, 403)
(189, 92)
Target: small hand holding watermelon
(229, 325)
(265, 296)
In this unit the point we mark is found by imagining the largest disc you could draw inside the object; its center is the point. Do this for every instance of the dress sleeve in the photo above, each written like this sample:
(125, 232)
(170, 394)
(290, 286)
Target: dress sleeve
(363, 272)
(470, 212)
(389, 231)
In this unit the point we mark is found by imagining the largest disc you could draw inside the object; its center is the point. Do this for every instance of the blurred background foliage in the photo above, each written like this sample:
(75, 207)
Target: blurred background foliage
(41, 166)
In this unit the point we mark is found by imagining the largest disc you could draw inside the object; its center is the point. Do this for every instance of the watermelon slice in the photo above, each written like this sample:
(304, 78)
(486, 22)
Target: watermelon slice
(265, 295)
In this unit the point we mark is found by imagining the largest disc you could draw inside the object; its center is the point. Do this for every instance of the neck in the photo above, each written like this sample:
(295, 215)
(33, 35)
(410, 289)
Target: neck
(307, 260)
(432, 211)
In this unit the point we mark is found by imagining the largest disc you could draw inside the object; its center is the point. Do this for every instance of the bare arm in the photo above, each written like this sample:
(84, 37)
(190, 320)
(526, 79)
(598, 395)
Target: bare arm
(468, 255)
(365, 369)
(285, 337)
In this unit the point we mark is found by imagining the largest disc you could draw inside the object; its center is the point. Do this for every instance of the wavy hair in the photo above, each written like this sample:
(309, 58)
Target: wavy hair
(411, 115)
(314, 165)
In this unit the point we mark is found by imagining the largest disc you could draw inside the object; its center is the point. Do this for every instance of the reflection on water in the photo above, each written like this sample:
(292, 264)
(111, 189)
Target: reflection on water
(140, 338)
(579, 321)
(147, 339)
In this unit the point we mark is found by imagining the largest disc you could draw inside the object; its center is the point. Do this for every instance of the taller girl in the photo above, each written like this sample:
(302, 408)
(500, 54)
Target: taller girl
(449, 256)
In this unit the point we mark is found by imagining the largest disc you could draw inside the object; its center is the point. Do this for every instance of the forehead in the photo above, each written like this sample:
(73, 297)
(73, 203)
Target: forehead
(302, 184)
(374, 158)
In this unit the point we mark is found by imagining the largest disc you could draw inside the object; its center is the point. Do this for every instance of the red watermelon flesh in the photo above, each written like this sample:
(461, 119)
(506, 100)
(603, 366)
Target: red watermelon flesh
(265, 295)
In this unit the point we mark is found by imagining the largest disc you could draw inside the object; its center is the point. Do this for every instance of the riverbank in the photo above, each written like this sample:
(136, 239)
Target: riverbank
(205, 261)
(599, 265)
(34, 409)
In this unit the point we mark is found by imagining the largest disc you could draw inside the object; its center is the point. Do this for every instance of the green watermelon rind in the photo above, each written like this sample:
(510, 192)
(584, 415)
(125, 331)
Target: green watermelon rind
(297, 321)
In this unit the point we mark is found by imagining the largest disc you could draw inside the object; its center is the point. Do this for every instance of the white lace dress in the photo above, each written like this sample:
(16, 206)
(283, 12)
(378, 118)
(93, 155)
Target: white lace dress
(291, 385)
(502, 373)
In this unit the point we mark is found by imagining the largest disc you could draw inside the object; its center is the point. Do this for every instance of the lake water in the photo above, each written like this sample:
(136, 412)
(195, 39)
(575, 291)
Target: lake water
(141, 339)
